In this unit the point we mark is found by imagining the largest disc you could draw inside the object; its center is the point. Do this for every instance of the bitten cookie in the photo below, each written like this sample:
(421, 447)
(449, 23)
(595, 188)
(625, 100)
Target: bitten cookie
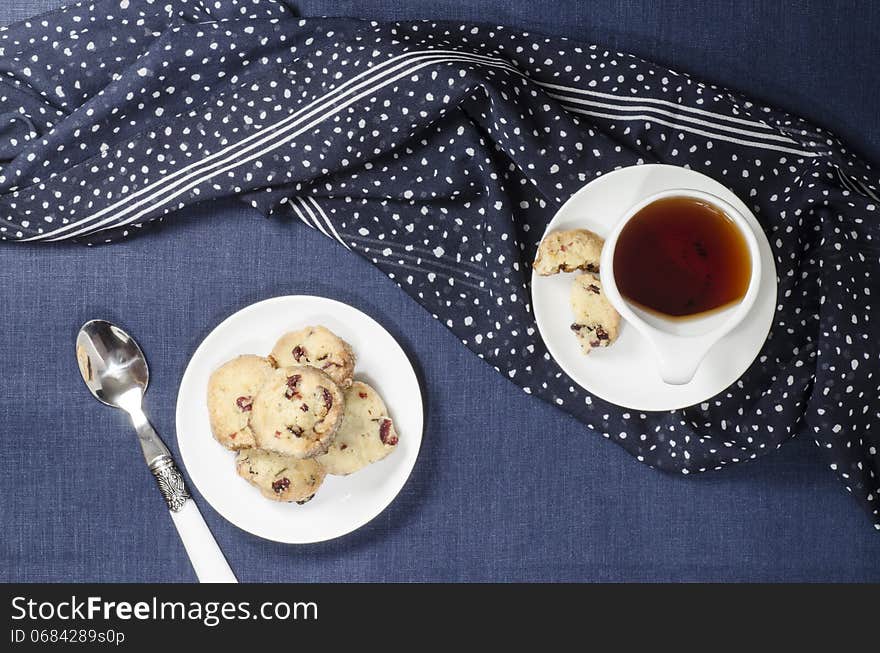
(596, 322)
(567, 251)
(231, 391)
(297, 412)
(279, 477)
(319, 347)
(366, 435)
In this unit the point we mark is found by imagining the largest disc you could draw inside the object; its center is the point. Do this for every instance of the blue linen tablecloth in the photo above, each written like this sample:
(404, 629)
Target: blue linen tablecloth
(486, 502)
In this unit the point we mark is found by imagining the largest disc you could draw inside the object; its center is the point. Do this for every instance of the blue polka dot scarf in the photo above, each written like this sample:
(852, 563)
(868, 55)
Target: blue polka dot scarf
(440, 151)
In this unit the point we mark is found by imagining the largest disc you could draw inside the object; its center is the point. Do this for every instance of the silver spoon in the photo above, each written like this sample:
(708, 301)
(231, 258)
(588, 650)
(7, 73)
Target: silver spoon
(116, 373)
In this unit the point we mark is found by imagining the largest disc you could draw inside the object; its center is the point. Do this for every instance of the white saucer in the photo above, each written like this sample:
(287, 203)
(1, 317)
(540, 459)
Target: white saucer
(625, 374)
(343, 503)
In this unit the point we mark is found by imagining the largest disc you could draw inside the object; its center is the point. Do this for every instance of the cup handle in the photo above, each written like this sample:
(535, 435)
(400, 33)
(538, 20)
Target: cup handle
(677, 359)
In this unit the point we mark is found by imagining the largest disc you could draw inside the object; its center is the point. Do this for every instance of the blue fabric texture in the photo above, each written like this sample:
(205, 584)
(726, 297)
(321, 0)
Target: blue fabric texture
(541, 507)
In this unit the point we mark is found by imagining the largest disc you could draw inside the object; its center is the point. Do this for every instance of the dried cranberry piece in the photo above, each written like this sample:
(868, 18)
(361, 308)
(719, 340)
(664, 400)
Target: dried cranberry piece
(594, 288)
(385, 433)
(295, 430)
(280, 485)
(577, 327)
(304, 408)
(298, 352)
(328, 398)
(244, 403)
(292, 382)
(362, 395)
(601, 334)
(343, 447)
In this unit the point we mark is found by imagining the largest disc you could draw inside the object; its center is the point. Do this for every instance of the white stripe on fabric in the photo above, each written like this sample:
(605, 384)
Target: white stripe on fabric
(297, 212)
(658, 101)
(855, 185)
(293, 118)
(768, 136)
(866, 189)
(675, 116)
(327, 220)
(693, 130)
(312, 216)
(845, 182)
(100, 226)
(624, 117)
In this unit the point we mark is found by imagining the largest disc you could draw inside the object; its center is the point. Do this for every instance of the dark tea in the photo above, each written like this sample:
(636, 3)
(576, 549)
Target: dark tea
(681, 256)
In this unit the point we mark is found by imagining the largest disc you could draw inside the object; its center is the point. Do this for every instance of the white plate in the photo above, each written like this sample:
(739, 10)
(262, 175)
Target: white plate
(625, 374)
(343, 503)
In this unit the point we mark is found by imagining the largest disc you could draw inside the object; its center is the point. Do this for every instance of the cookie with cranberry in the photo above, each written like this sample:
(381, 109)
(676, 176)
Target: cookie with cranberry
(231, 391)
(279, 477)
(297, 412)
(366, 435)
(319, 347)
(596, 321)
(567, 251)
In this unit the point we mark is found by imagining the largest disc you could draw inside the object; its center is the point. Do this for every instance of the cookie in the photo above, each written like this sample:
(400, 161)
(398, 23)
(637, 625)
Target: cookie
(366, 435)
(231, 391)
(279, 477)
(297, 412)
(567, 251)
(319, 347)
(596, 322)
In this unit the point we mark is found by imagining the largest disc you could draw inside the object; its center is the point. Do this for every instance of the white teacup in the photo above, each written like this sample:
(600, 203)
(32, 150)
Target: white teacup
(681, 344)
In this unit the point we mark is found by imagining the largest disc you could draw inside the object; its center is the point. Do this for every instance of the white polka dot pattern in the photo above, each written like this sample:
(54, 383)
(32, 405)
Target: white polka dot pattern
(440, 151)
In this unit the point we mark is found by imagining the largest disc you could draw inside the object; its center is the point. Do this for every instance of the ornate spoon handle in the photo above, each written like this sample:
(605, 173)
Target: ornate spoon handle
(170, 482)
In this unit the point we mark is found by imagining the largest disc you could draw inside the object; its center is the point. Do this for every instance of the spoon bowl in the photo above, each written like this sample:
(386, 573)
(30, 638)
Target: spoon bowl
(111, 363)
